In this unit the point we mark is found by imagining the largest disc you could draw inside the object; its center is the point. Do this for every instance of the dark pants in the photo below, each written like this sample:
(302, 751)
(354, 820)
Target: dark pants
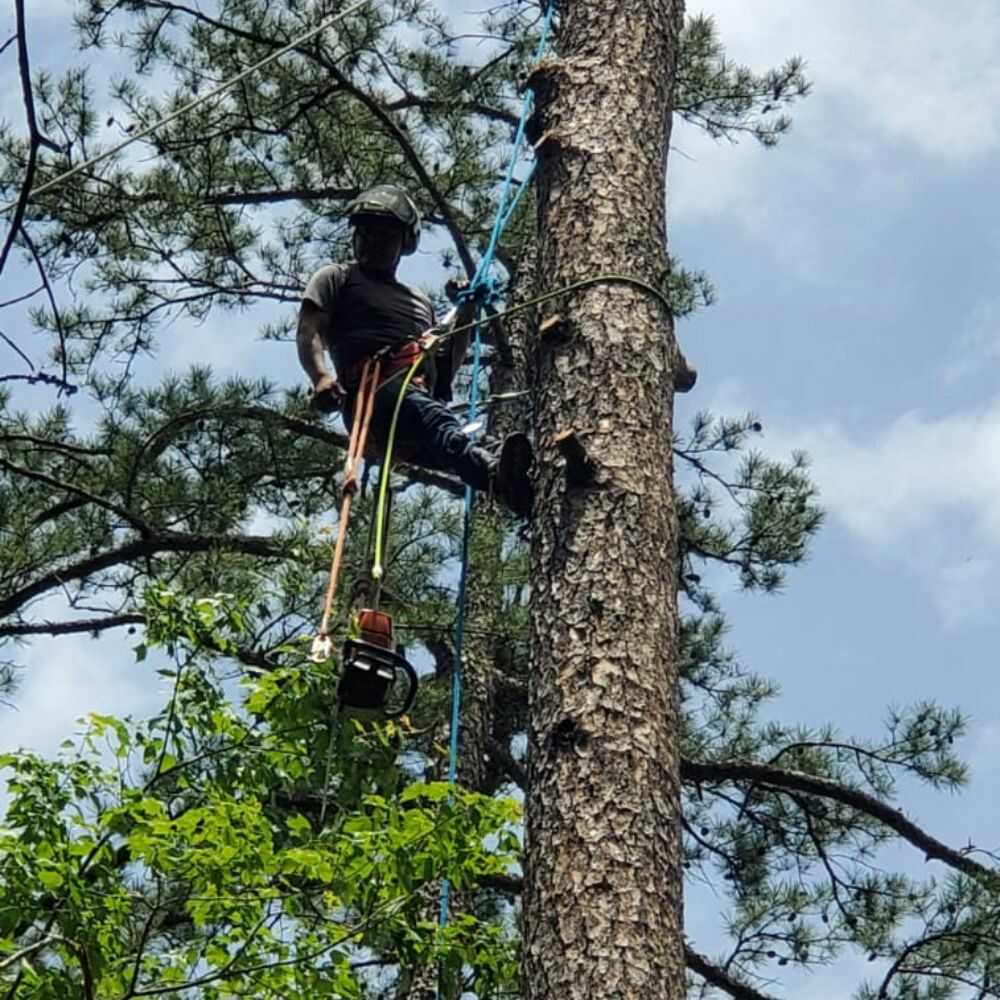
(428, 434)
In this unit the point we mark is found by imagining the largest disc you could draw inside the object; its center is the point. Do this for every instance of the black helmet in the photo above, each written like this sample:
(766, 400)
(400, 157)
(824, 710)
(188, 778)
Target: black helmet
(389, 200)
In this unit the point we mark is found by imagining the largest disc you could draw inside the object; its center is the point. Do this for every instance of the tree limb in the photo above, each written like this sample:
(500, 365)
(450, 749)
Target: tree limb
(45, 443)
(24, 68)
(719, 978)
(35, 141)
(57, 484)
(160, 438)
(43, 275)
(439, 104)
(784, 780)
(255, 545)
(288, 194)
(66, 628)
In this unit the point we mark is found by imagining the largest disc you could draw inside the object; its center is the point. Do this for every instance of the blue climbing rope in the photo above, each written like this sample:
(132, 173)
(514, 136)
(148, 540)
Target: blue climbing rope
(484, 280)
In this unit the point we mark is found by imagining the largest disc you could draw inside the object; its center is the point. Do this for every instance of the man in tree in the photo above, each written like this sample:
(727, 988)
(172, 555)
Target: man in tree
(359, 309)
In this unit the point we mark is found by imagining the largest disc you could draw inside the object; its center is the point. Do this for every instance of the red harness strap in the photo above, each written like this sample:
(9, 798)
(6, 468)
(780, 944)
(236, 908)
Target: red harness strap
(398, 360)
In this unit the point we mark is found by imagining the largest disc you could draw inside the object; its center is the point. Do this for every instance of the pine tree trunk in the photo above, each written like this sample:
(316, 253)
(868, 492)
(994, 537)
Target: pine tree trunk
(603, 893)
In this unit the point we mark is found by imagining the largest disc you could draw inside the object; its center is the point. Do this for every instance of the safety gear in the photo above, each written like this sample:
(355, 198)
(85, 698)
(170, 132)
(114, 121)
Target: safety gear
(393, 362)
(389, 201)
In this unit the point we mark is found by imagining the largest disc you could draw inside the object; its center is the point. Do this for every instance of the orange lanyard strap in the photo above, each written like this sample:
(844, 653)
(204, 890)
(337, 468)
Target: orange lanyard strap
(363, 408)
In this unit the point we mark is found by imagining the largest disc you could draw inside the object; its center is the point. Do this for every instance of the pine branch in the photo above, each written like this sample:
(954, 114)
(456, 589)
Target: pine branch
(304, 194)
(34, 136)
(255, 545)
(440, 104)
(57, 484)
(784, 780)
(160, 438)
(272, 197)
(67, 628)
(719, 978)
(35, 141)
(57, 510)
(17, 350)
(46, 444)
(64, 384)
(913, 947)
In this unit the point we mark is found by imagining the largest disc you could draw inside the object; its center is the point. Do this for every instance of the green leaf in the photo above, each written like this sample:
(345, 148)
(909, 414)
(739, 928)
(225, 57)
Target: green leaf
(50, 879)
(432, 791)
(298, 825)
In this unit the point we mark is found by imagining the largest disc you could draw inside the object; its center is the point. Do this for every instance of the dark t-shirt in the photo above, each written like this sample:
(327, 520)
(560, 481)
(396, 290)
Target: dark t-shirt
(363, 314)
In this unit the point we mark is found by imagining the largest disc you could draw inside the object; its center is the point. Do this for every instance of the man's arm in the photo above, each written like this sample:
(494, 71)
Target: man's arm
(452, 354)
(327, 392)
(464, 316)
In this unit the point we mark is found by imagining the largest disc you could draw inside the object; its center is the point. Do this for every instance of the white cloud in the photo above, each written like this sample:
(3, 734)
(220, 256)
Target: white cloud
(977, 348)
(921, 494)
(925, 494)
(64, 679)
(967, 590)
(921, 474)
(916, 71)
(902, 90)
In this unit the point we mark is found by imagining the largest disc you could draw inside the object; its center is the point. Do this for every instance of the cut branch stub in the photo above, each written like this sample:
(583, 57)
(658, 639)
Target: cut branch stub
(554, 328)
(580, 469)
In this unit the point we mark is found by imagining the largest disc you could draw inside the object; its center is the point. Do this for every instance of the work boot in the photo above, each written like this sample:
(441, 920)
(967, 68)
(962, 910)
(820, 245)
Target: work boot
(512, 483)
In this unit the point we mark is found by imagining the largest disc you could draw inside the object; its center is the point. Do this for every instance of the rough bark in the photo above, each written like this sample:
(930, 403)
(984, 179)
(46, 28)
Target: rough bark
(603, 886)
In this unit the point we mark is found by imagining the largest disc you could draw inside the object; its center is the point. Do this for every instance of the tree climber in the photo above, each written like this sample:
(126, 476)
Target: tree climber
(355, 310)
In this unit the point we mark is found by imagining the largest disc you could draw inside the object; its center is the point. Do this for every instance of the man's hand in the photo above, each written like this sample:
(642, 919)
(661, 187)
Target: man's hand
(328, 395)
(453, 287)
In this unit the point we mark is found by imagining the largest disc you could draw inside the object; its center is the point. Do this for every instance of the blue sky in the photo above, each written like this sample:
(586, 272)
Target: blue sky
(859, 315)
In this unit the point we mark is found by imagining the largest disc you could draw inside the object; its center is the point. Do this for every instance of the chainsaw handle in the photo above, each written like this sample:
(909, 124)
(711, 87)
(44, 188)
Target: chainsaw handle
(411, 694)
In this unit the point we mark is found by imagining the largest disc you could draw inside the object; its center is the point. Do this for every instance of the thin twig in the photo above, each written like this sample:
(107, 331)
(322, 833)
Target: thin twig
(24, 68)
(20, 298)
(10, 343)
(56, 315)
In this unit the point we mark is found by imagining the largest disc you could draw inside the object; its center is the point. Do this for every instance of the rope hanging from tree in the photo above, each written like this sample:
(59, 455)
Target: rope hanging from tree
(482, 282)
